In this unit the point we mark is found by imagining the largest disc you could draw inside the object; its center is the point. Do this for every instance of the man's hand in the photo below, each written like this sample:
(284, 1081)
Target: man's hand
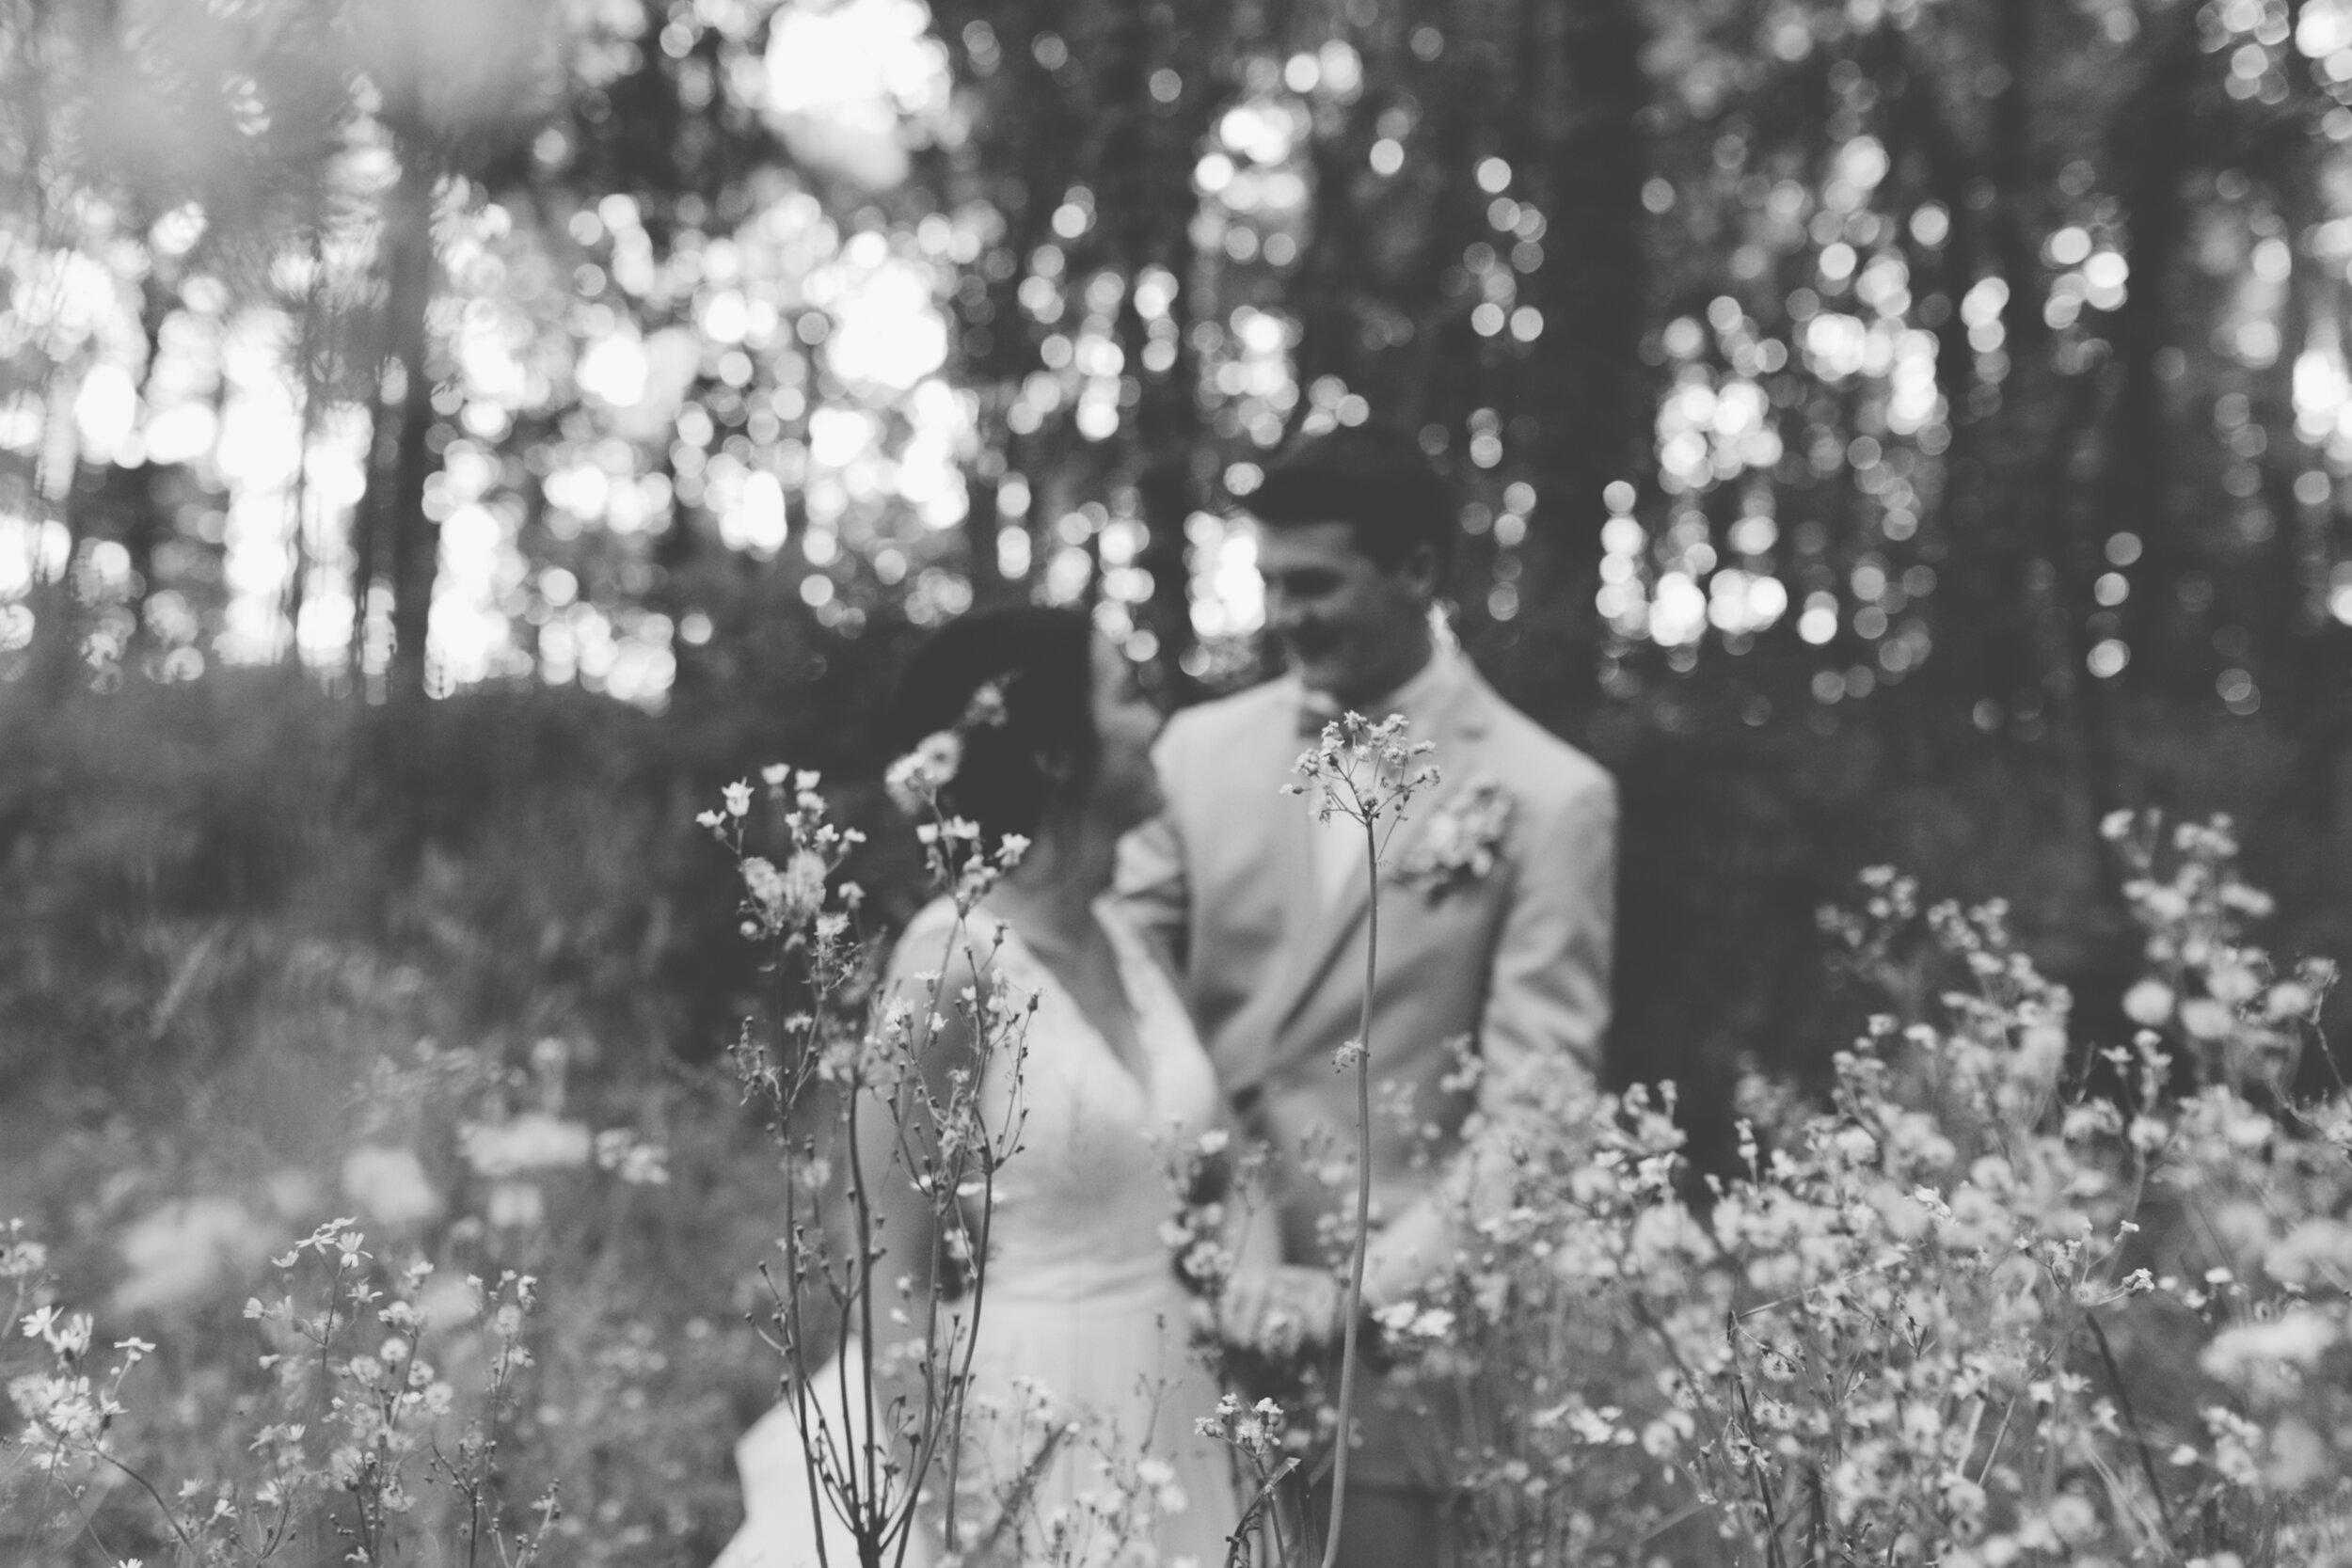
(1281, 1309)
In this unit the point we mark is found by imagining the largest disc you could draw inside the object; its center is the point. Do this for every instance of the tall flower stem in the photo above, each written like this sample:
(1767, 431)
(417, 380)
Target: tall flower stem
(1365, 773)
(1353, 1306)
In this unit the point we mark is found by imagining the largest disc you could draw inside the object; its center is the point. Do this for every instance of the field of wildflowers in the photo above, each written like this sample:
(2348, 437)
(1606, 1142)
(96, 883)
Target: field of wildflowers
(2009, 1297)
(2004, 1293)
(259, 1386)
(238, 1008)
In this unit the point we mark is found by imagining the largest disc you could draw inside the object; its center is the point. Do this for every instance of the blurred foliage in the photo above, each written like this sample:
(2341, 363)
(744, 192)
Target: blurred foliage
(176, 863)
(1885, 428)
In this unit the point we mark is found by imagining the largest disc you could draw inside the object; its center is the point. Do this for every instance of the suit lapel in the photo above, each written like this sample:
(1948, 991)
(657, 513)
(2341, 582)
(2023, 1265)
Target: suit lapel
(1327, 933)
(1286, 845)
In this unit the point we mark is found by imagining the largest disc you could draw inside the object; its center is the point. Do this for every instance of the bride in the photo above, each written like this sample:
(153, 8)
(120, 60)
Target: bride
(1083, 1331)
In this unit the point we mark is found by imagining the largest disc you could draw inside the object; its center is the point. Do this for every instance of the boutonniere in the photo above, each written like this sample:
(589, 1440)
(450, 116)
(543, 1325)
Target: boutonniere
(1462, 842)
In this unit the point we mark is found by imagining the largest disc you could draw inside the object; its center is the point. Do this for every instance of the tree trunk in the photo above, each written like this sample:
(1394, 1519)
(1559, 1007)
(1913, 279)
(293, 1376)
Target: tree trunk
(308, 348)
(1989, 634)
(407, 542)
(1024, 122)
(1143, 174)
(2152, 146)
(364, 534)
(1582, 378)
(2016, 602)
(1442, 375)
(57, 650)
(1335, 275)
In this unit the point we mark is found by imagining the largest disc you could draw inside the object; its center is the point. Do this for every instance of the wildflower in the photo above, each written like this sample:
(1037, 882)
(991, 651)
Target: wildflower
(738, 799)
(2299, 1455)
(986, 710)
(2288, 999)
(21, 1259)
(803, 886)
(1350, 1055)
(636, 1162)
(2205, 1019)
(2297, 1338)
(1160, 1477)
(533, 1141)
(390, 1186)
(915, 781)
(2251, 902)
(1257, 1432)
(2235, 1442)
(2319, 1247)
(2247, 1128)
(186, 1249)
(1362, 771)
(448, 1302)
(1406, 1321)
(516, 1206)
(765, 883)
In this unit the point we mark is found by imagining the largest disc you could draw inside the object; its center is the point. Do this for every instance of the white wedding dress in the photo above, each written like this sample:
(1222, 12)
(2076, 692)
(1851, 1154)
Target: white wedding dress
(1082, 1320)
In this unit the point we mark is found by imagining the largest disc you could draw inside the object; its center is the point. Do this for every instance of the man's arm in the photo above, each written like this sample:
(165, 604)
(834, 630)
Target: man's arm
(1153, 888)
(1539, 1039)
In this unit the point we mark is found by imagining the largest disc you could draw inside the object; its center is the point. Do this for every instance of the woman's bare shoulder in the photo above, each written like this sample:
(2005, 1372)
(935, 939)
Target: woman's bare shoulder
(943, 940)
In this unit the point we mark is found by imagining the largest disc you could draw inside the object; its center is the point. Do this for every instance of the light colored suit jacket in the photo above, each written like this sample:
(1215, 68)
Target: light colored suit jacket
(1518, 960)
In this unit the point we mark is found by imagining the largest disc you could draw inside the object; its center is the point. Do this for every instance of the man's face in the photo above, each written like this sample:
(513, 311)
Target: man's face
(1349, 626)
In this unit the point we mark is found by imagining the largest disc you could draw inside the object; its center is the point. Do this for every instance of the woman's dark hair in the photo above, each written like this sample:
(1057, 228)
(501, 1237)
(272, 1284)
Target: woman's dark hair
(1370, 476)
(1042, 663)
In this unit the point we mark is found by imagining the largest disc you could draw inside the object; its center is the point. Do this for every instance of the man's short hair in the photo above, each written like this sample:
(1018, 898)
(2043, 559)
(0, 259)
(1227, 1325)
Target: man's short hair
(1370, 476)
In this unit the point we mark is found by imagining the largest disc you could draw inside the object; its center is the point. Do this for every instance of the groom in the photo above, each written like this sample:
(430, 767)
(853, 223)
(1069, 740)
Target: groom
(1263, 911)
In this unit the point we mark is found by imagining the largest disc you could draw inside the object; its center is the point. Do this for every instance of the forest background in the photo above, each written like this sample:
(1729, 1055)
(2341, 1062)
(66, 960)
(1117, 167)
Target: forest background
(441, 443)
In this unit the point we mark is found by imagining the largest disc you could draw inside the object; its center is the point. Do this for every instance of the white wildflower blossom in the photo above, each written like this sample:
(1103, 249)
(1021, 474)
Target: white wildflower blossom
(532, 1142)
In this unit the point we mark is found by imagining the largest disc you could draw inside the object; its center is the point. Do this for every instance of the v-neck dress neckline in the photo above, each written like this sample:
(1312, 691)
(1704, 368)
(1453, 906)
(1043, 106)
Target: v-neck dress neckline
(1126, 959)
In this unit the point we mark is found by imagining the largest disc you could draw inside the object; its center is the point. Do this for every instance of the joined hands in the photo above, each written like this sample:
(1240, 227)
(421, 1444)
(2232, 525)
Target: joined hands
(1280, 1309)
